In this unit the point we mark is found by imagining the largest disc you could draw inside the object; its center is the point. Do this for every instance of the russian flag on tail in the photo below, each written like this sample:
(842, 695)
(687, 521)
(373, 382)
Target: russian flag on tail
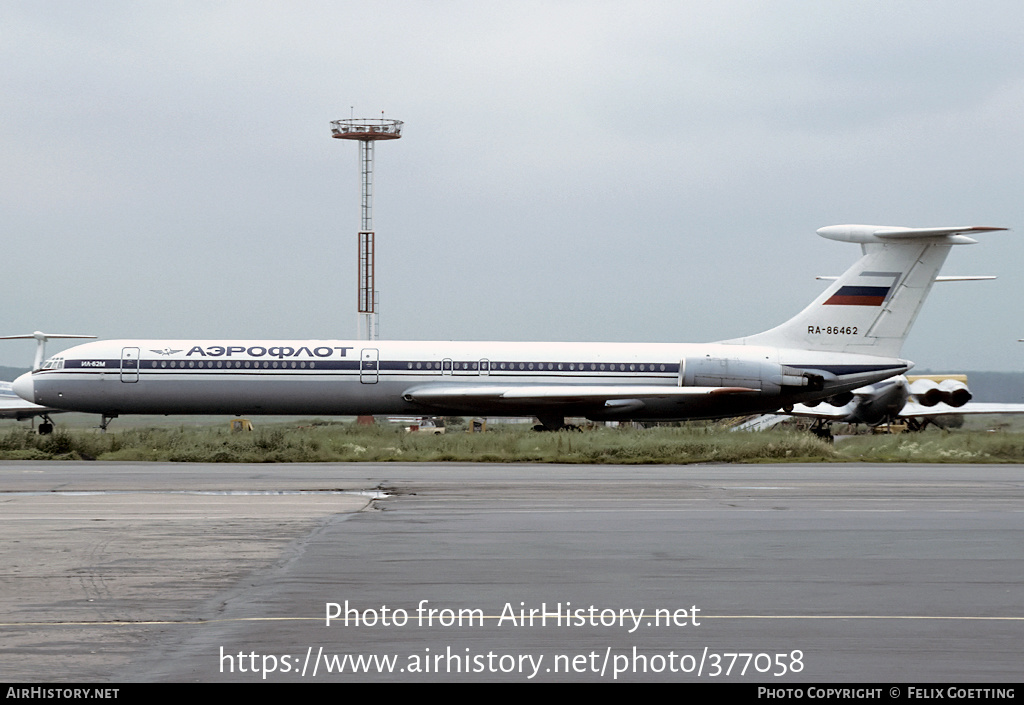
(858, 296)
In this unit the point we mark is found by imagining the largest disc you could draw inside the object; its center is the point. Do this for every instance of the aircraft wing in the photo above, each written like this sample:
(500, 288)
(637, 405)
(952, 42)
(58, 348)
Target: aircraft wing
(555, 394)
(914, 410)
(761, 423)
(20, 409)
(910, 410)
(821, 411)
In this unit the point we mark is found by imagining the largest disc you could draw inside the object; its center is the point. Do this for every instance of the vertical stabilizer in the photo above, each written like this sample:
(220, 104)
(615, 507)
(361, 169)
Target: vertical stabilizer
(872, 306)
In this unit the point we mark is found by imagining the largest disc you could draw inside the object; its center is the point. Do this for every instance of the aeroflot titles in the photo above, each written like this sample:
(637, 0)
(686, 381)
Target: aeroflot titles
(277, 351)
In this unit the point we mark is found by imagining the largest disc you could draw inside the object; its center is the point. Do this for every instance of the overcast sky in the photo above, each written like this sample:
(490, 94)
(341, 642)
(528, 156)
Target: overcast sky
(622, 171)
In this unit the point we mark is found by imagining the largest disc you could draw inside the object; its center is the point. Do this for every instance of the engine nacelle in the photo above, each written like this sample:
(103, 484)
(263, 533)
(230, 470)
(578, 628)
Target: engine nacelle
(841, 399)
(765, 375)
(926, 392)
(955, 392)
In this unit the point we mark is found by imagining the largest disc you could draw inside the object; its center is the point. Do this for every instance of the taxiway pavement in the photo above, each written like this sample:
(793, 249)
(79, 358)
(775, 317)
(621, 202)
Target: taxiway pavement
(126, 572)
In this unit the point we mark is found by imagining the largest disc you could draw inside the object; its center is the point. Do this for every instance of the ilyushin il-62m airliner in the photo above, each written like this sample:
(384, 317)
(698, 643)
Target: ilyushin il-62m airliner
(850, 336)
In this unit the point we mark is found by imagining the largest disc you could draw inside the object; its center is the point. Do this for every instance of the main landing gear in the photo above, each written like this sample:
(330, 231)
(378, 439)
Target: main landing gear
(822, 428)
(554, 423)
(46, 427)
(919, 424)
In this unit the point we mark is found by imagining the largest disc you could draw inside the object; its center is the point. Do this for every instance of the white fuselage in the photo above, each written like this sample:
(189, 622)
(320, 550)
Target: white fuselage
(643, 381)
(847, 337)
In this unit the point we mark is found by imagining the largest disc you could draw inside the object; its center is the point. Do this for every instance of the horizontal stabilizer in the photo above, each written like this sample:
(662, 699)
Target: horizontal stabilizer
(905, 233)
(942, 278)
(886, 233)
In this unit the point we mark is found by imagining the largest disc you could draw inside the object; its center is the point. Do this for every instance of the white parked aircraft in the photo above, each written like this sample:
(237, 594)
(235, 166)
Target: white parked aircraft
(848, 337)
(916, 400)
(14, 407)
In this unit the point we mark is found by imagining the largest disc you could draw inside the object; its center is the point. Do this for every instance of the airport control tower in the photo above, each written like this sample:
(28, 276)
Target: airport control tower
(366, 132)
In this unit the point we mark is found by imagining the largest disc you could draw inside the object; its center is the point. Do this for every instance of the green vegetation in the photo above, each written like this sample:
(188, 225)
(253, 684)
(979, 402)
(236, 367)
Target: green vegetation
(348, 442)
(936, 447)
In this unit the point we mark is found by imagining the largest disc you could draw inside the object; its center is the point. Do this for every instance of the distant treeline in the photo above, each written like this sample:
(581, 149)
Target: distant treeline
(11, 373)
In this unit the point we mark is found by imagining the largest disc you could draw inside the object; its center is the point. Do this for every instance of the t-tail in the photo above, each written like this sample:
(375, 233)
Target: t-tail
(41, 339)
(871, 307)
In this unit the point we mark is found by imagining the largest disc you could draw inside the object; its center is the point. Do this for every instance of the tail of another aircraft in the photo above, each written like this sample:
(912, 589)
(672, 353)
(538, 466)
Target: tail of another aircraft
(41, 339)
(871, 307)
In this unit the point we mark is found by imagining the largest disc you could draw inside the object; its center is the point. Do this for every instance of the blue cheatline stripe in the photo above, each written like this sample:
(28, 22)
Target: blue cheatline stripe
(461, 367)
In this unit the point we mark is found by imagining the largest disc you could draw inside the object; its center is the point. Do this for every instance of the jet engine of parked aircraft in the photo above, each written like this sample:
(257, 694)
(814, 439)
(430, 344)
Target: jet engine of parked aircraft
(917, 400)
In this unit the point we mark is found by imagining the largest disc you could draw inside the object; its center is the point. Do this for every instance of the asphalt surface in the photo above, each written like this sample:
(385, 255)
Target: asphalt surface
(125, 572)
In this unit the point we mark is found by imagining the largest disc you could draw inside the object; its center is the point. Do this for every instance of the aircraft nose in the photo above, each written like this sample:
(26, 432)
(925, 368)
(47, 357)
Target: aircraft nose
(24, 387)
